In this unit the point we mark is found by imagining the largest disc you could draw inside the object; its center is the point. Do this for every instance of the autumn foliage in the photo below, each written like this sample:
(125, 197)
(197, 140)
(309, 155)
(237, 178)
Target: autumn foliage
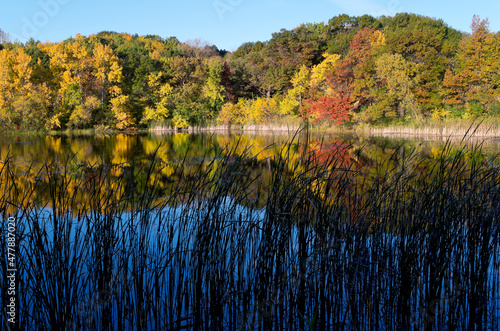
(347, 70)
(334, 109)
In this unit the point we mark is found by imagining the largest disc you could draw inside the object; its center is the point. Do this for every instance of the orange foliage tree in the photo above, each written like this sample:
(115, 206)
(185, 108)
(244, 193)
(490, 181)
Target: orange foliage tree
(331, 108)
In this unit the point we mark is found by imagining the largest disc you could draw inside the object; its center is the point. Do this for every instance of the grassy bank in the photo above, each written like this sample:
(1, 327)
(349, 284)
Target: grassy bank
(455, 128)
(288, 125)
(479, 128)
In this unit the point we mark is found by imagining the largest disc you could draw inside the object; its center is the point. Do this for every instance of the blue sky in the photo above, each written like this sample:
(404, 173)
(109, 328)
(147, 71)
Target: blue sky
(225, 23)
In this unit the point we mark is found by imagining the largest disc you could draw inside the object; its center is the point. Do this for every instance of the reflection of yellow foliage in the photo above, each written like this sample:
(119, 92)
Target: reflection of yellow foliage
(83, 150)
(252, 147)
(180, 141)
(54, 144)
(150, 144)
(435, 152)
(167, 170)
(122, 148)
(84, 174)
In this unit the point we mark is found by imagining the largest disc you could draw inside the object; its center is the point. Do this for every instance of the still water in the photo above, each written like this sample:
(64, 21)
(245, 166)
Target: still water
(122, 148)
(73, 155)
(252, 232)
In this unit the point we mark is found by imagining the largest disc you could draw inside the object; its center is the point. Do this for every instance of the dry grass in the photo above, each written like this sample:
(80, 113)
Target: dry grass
(488, 128)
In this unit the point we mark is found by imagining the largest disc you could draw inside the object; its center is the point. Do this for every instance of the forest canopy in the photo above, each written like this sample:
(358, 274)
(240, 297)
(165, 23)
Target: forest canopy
(349, 70)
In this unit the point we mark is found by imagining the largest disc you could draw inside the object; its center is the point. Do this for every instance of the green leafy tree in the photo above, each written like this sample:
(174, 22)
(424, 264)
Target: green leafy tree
(363, 48)
(397, 77)
(341, 30)
(427, 43)
(213, 89)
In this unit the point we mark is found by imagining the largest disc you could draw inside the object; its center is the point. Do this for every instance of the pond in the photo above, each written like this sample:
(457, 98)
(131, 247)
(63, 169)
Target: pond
(115, 154)
(251, 232)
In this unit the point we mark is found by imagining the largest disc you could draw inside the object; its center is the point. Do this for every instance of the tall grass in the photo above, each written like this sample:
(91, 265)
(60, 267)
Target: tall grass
(411, 244)
(490, 127)
(288, 125)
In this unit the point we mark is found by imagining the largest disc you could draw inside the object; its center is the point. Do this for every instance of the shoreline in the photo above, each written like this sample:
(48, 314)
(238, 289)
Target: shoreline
(429, 132)
(475, 132)
(229, 129)
(454, 130)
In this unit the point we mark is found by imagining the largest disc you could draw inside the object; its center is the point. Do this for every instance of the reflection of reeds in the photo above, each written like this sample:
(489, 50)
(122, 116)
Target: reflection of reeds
(410, 245)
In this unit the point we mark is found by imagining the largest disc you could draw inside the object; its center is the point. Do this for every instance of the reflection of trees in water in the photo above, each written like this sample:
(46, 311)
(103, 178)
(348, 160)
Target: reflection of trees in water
(410, 243)
(92, 158)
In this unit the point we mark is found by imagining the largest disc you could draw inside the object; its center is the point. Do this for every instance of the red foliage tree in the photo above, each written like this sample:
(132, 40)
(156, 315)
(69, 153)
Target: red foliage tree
(332, 108)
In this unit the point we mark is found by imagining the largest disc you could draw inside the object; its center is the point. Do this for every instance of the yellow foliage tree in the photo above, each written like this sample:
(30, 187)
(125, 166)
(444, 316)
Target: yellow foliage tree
(162, 93)
(106, 67)
(289, 106)
(320, 71)
(82, 114)
(120, 107)
(301, 81)
(22, 103)
(234, 113)
(5, 81)
(21, 70)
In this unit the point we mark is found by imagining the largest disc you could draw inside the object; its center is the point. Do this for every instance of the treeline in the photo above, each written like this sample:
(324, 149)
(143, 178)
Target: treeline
(352, 70)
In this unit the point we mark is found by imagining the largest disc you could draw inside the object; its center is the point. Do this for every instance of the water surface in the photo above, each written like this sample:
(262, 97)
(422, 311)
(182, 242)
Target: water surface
(253, 232)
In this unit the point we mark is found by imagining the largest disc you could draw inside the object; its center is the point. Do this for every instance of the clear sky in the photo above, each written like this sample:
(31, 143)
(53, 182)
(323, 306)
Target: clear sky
(224, 23)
